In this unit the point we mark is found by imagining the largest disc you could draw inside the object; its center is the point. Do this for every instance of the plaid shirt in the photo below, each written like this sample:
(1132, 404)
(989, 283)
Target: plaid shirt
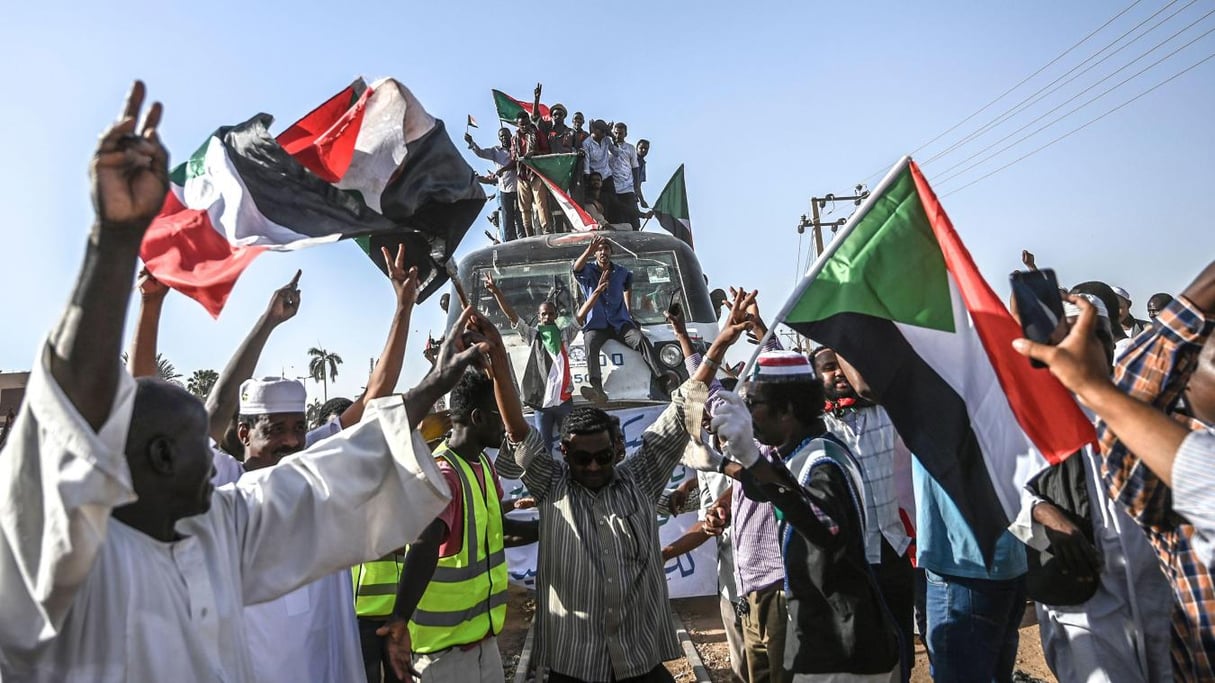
(1155, 369)
(527, 143)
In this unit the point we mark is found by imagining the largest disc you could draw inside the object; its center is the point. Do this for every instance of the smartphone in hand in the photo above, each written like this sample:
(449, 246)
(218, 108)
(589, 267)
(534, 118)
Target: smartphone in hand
(1040, 306)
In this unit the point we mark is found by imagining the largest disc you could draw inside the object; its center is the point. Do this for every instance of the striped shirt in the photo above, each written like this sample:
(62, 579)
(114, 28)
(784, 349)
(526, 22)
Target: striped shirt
(758, 564)
(873, 440)
(603, 609)
(1155, 369)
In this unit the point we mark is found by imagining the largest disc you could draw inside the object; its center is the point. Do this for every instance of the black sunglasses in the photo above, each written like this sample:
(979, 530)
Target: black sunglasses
(602, 458)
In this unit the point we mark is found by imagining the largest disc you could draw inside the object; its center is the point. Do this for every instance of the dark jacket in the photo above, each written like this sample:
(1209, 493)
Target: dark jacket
(838, 622)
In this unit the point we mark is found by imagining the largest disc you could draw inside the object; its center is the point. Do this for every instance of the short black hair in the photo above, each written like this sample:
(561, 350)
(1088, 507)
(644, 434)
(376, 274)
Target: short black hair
(334, 406)
(1160, 300)
(804, 400)
(474, 390)
(592, 174)
(588, 420)
(643, 140)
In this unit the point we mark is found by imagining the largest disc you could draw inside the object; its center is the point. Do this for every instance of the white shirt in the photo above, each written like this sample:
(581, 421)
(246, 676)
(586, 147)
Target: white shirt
(86, 598)
(622, 164)
(885, 462)
(598, 156)
(508, 181)
(1122, 632)
(311, 633)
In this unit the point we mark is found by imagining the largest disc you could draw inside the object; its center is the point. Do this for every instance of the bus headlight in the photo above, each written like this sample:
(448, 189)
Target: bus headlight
(670, 355)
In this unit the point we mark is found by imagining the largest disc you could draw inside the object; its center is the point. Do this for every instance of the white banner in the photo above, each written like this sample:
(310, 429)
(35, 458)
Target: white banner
(689, 575)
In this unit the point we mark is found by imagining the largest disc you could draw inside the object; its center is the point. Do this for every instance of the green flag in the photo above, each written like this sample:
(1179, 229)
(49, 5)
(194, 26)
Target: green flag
(509, 108)
(671, 209)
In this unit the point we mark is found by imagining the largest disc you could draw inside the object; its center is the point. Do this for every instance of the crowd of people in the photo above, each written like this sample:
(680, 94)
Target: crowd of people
(607, 177)
(147, 536)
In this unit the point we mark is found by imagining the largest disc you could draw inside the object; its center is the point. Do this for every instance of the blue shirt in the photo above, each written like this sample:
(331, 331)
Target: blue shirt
(946, 545)
(609, 310)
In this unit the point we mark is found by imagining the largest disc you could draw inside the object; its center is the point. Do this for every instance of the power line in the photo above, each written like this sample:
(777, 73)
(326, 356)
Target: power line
(1043, 92)
(1082, 126)
(1060, 118)
(1061, 55)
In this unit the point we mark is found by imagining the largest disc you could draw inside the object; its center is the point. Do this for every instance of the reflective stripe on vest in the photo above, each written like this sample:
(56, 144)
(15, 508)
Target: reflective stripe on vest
(466, 598)
(375, 586)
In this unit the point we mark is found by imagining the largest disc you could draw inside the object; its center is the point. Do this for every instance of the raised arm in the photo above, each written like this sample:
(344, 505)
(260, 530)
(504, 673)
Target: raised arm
(453, 357)
(476, 149)
(1133, 421)
(507, 309)
(224, 399)
(580, 262)
(64, 463)
(585, 309)
(142, 358)
(387, 369)
(130, 179)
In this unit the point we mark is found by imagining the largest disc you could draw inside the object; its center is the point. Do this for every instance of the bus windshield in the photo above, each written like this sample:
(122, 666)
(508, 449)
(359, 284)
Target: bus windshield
(656, 285)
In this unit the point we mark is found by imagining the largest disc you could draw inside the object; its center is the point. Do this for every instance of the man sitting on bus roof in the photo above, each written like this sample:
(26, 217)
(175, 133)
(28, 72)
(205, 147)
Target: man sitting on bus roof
(610, 318)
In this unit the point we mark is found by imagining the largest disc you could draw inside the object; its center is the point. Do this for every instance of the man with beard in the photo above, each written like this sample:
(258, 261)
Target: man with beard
(886, 470)
(312, 632)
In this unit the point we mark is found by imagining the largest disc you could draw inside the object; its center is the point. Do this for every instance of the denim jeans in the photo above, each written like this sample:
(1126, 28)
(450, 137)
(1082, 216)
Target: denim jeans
(547, 422)
(973, 627)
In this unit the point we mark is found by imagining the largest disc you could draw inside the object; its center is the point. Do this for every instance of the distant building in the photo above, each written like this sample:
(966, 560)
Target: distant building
(12, 391)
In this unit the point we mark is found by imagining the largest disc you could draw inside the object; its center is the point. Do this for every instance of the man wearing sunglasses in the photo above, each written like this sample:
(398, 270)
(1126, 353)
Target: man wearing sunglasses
(603, 607)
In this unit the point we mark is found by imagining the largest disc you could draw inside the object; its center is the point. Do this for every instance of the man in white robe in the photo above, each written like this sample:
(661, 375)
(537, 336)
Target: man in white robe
(118, 559)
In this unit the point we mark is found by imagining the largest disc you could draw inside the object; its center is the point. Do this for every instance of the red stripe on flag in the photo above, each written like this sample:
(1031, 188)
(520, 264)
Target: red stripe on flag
(1045, 410)
(323, 141)
(579, 219)
(184, 251)
(781, 361)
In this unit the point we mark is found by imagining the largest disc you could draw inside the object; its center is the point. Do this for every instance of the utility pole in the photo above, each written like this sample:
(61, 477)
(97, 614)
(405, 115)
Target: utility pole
(814, 220)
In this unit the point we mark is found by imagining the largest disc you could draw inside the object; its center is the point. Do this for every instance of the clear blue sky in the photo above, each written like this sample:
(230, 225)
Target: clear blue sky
(766, 107)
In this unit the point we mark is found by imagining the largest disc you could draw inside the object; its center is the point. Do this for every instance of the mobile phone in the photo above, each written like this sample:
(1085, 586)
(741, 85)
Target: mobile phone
(1039, 305)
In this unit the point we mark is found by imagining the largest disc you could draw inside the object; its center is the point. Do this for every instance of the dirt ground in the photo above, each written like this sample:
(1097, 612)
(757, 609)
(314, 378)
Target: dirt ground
(702, 620)
(520, 608)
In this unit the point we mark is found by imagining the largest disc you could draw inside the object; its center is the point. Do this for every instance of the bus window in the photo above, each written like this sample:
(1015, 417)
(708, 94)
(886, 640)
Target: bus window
(524, 286)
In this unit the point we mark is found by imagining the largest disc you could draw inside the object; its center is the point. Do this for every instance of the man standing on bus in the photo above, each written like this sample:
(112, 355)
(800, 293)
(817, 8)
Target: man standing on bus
(610, 318)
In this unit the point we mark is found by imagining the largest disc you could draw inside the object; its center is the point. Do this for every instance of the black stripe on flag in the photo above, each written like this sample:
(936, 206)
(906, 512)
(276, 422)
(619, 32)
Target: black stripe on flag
(929, 415)
(288, 194)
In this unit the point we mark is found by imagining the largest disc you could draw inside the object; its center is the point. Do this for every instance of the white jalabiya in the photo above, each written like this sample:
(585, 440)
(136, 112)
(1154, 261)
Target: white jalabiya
(311, 633)
(87, 598)
(1121, 634)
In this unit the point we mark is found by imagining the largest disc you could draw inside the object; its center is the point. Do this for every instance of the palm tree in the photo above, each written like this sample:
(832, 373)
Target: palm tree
(201, 382)
(321, 361)
(164, 368)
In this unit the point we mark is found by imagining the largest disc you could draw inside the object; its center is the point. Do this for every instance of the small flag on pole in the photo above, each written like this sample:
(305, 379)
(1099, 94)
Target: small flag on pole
(472, 123)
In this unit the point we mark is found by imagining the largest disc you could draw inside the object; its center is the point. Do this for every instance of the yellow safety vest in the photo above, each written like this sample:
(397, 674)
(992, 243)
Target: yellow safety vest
(466, 598)
(375, 585)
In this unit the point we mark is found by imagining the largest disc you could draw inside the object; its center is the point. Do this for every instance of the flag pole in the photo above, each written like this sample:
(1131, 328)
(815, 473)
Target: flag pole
(822, 259)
